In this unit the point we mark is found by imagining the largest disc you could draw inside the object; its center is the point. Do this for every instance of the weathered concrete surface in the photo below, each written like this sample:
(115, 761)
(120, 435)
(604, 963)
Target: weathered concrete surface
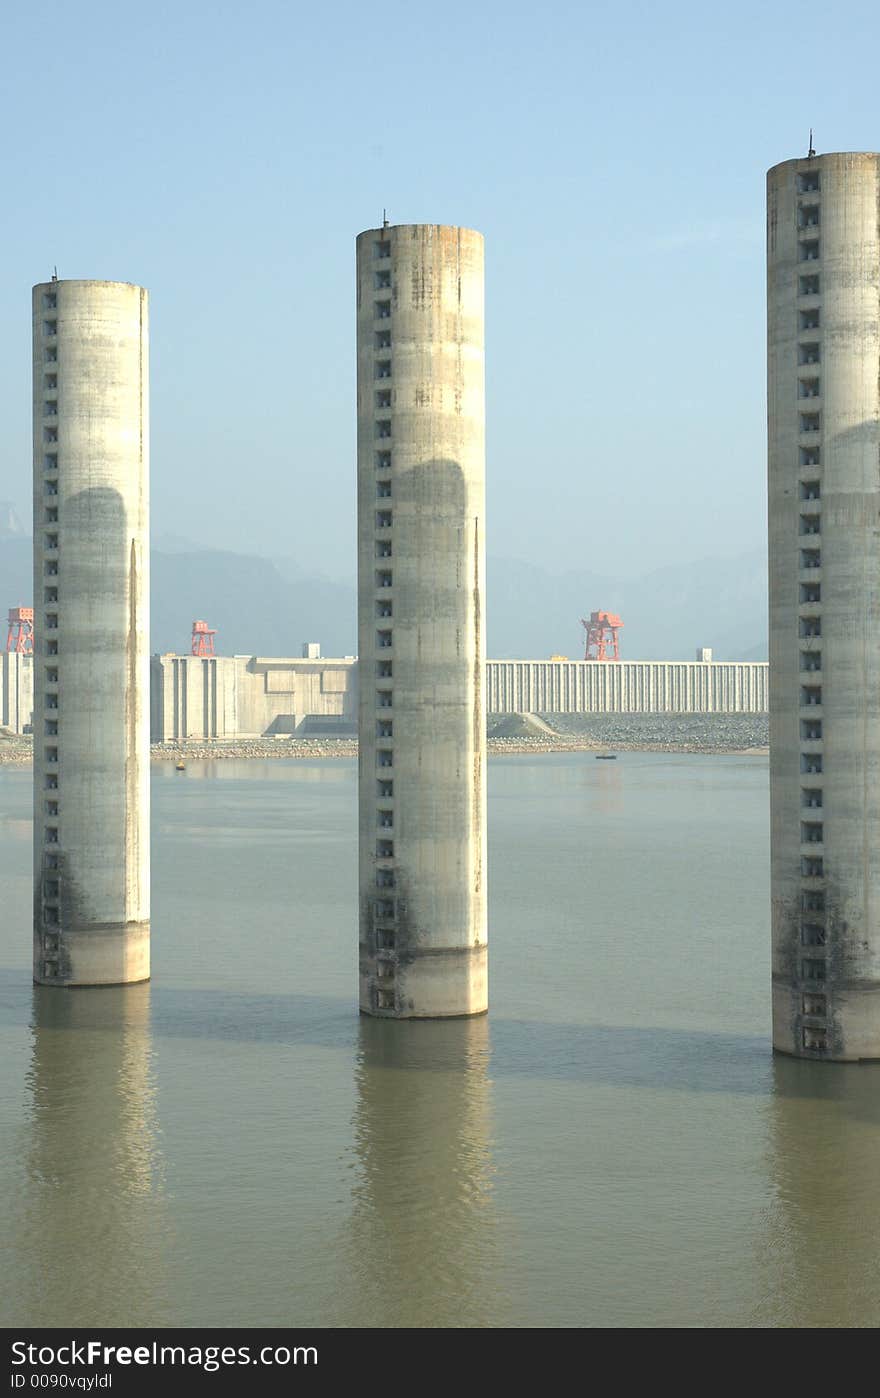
(626, 686)
(91, 599)
(421, 615)
(249, 696)
(824, 511)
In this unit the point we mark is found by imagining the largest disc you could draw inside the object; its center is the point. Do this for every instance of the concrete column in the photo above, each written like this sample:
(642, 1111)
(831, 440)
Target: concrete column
(421, 579)
(91, 598)
(823, 243)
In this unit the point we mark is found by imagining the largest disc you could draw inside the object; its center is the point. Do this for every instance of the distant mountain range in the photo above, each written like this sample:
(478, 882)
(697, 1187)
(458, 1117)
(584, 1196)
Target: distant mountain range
(265, 607)
(667, 613)
(11, 526)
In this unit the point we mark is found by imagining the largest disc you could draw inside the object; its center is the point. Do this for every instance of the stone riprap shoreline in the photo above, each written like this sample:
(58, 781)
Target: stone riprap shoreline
(195, 751)
(748, 733)
(718, 733)
(16, 751)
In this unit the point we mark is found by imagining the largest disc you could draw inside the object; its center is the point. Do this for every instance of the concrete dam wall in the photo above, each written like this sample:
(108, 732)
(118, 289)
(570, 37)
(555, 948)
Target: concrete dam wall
(248, 696)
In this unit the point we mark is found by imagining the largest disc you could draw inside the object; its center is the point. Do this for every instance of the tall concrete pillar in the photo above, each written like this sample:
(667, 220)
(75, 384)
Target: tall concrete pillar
(421, 578)
(823, 250)
(91, 664)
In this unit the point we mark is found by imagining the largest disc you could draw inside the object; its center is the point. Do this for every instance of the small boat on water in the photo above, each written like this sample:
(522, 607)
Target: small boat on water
(181, 766)
(606, 756)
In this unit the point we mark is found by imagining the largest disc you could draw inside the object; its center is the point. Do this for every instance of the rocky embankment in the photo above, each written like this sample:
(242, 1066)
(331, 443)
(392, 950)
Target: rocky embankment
(218, 750)
(15, 750)
(747, 733)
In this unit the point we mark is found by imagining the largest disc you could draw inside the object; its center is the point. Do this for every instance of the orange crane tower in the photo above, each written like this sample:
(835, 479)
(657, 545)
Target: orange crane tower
(20, 636)
(602, 629)
(202, 638)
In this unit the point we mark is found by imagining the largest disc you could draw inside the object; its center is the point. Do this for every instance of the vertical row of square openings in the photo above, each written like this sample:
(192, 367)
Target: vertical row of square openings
(384, 895)
(812, 965)
(47, 658)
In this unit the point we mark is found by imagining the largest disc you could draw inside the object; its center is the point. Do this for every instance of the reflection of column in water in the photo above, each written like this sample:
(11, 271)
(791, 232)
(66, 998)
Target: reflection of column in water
(424, 1245)
(96, 1230)
(822, 1261)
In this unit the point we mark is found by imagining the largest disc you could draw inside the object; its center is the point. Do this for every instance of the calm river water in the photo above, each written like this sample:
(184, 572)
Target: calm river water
(613, 1145)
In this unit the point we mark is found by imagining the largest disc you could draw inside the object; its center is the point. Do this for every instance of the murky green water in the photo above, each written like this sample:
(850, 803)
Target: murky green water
(613, 1145)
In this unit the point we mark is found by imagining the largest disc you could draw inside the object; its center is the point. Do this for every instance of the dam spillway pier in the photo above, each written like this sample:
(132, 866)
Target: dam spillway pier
(91, 660)
(823, 286)
(421, 621)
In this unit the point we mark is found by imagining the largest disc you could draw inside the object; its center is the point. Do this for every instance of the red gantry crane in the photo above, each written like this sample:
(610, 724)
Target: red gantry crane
(202, 638)
(20, 636)
(602, 629)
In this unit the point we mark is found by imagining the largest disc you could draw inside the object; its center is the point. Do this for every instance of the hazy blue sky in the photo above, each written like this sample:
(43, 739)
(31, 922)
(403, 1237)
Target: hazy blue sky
(225, 156)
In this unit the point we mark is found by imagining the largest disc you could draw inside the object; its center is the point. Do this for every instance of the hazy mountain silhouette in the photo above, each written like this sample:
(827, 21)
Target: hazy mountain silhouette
(261, 607)
(255, 610)
(11, 526)
(667, 614)
(16, 573)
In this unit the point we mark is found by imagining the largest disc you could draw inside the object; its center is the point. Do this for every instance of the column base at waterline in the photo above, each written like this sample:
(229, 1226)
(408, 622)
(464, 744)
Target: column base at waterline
(827, 1021)
(442, 983)
(100, 954)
